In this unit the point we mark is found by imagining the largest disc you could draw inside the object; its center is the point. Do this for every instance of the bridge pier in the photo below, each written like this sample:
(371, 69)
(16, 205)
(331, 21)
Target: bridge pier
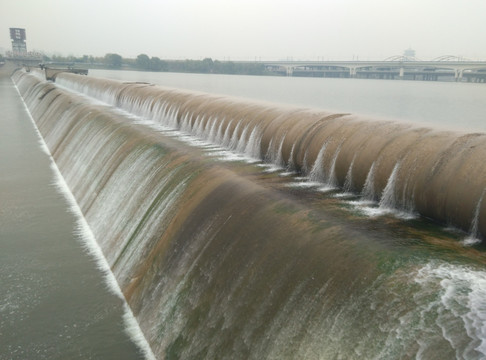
(389, 69)
(458, 74)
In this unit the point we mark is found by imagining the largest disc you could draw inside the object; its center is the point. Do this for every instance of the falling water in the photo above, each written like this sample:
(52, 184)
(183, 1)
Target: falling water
(279, 158)
(317, 173)
(474, 235)
(348, 182)
(220, 260)
(252, 149)
(331, 181)
(368, 192)
(388, 198)
(290, 162)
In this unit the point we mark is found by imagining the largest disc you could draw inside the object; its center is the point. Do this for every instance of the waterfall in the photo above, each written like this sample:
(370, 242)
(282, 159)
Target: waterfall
(197, 127)
(226, 137)
(171, 119)
(317, 173)
(474, 235)
(219, 137)
(220, 260)
(290, 162)
(437, 153)
(388, 198)
(241, 143)
(269, 154)
(368, 192)
(185, 126)
(332, 181)
(348, 182)
(252, 148)
(212, 130)
(233, 143)
(278, 159)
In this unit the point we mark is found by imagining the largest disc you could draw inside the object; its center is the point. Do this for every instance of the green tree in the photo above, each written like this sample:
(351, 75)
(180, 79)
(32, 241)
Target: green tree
(226, 67)
(157, 65)
(207, 65)
(113, 61)
(143, 62)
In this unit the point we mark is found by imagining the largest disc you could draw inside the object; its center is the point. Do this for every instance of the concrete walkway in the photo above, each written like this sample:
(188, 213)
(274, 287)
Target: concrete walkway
(54, 303)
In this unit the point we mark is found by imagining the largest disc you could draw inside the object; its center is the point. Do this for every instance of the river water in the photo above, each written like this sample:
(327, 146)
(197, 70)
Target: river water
(457, 106)
(223, 256)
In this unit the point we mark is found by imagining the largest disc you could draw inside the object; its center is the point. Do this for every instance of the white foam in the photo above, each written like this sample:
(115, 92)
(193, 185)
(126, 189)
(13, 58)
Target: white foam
(305, 184)
(345, 194)
(327, 188)
(380, 211)
(470, 241)
(362, 203)
(462, 296)
(371, 209)
(270, 168)
(286, 173)
(90, 244)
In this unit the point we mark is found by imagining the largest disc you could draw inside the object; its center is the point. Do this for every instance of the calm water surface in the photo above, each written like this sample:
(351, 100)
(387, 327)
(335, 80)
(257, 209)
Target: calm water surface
(457, 106)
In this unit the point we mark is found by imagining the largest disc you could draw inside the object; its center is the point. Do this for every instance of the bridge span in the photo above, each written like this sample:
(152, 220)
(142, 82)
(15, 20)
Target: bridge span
(459, 70)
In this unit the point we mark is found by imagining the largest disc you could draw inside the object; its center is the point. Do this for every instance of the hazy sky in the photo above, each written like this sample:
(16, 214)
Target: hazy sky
(249, 29)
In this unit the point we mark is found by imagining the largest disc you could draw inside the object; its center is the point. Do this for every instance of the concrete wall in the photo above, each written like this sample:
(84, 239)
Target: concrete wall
(7, 69)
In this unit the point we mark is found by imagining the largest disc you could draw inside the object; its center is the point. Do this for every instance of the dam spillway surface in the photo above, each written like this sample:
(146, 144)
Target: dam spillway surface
(280, 254)
(54, 303)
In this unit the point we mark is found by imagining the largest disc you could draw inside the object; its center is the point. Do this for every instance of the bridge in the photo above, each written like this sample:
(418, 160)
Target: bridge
(395, 67)
(51, 73)
(11, 64)
(15, 61)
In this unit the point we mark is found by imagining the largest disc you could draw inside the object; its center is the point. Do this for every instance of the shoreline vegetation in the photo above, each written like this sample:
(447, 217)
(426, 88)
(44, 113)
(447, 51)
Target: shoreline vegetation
(145, 63)
(207, 65)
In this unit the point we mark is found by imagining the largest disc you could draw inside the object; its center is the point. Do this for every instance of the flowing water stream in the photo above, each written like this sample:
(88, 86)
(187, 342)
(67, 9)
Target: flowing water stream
(247, 230)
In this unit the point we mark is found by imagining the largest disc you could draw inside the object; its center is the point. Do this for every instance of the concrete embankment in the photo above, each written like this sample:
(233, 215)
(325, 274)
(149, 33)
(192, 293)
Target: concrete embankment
(54, 303)
(8, 68)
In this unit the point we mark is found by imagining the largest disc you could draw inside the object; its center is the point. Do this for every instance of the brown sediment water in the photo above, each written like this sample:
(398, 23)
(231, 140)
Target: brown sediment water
(216, 262)
(442, 173)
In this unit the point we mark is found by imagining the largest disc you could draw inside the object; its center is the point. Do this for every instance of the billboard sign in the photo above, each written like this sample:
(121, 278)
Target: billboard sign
(17, 34)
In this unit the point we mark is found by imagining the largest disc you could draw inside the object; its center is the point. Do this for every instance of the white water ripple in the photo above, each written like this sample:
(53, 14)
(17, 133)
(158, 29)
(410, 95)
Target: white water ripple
(91, 245)
(462, 302)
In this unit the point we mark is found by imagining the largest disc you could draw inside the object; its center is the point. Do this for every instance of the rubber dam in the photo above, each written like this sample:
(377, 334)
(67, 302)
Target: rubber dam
(246, 230)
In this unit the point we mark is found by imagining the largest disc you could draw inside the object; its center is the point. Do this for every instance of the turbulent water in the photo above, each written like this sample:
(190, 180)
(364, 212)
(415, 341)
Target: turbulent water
(238, 229)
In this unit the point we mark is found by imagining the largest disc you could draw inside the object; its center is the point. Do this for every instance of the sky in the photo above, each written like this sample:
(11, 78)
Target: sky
(250, 29)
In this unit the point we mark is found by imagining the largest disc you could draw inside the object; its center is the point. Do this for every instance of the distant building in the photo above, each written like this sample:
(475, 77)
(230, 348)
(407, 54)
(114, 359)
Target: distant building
(19, 48)
(409, 53)
(18, 37)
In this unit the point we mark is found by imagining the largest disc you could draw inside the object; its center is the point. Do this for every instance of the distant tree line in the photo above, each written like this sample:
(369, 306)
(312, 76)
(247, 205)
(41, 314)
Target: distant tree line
(208, 66)
(205, 66)
(146, 63)
(143, 62)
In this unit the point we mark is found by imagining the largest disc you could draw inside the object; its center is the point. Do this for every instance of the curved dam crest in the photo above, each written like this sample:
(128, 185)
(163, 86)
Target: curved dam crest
(441, 175)
(215, 263)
